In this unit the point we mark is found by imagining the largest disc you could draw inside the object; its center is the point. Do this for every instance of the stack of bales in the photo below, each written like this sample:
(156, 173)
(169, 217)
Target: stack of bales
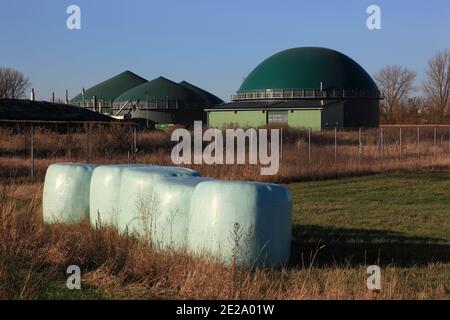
(235, 221)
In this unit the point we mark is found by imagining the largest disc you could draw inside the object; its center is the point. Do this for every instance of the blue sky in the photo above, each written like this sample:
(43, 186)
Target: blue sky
(210, 43)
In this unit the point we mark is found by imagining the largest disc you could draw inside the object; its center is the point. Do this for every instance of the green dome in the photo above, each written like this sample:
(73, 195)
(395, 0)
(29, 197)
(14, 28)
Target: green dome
(112, 88)
(207, 96)
(306, 68)
(160, 89)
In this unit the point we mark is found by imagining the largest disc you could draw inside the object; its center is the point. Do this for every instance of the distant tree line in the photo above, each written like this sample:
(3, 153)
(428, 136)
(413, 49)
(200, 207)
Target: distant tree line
(397, 84)
(13, 84)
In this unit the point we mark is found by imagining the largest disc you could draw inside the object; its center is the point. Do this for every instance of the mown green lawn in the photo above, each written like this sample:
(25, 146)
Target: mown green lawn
(401, 219)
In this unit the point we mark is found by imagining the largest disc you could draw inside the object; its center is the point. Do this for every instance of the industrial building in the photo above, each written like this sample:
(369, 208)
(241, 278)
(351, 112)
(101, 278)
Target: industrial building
(307, 87)
(160, 101)
(163, 101)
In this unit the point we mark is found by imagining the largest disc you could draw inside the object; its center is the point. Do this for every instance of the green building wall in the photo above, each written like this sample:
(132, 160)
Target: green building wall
(244, 118)
(316, 119)
(305, 118)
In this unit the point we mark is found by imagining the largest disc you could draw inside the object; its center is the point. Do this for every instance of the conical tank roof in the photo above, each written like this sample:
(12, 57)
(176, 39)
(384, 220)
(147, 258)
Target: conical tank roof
(112, 88)
(207, 96)
(160, 89)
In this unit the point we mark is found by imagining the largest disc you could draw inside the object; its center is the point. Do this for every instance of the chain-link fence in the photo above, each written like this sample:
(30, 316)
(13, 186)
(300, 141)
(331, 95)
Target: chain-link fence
(26, 148)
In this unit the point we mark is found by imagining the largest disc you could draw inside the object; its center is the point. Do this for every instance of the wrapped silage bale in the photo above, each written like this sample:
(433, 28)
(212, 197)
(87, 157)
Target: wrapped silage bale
(140, 203)
(66, 192)
(246, 223)
(105, 193)
(172, 199)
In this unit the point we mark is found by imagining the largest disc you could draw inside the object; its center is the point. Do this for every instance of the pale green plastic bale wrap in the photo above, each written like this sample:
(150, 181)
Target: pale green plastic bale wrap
(138, 204)
(172, 199)
(105, 193)
(66, 192)
(246, 223)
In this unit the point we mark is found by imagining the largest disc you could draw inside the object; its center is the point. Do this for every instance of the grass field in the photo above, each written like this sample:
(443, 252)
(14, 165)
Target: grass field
(399, 221)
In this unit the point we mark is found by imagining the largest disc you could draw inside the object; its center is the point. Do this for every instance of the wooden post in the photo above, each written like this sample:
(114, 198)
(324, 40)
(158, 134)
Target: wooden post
(401, 144)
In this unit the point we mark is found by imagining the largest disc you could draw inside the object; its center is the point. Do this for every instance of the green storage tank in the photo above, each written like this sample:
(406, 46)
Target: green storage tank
(110, 89)
(315, 87)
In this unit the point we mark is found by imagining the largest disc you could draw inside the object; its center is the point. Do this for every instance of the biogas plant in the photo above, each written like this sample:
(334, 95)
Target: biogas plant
(306, 87)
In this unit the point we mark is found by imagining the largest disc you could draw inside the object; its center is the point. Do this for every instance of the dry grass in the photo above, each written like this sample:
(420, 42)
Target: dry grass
(34, 256)
(299, 161)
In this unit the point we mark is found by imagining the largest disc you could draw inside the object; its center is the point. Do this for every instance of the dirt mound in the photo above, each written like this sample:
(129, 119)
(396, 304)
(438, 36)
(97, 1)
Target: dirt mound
(46, 111)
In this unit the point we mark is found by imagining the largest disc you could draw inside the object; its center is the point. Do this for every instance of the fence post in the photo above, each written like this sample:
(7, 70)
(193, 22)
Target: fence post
(87, 142)
(359, 145)
(281, 144)
(134, 143)
(434, 142)
(309, 146)
(382, 143)
(418, 142)
(401, 143)
(147, 106)
(449, 141)
(32, 152)
(335, 144)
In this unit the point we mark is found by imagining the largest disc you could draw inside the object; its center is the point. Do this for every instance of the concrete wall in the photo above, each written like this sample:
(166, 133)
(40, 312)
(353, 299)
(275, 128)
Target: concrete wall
(243, 118)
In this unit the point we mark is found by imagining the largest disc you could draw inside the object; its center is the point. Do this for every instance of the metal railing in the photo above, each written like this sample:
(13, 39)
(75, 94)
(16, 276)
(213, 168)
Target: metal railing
(306, 94)
(159, 105)
(109, 107)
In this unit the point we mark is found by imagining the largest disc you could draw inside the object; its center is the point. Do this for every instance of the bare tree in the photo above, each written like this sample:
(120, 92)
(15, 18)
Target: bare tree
(396, 83)
(437, 84)
(12, 84)
(415, 109)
